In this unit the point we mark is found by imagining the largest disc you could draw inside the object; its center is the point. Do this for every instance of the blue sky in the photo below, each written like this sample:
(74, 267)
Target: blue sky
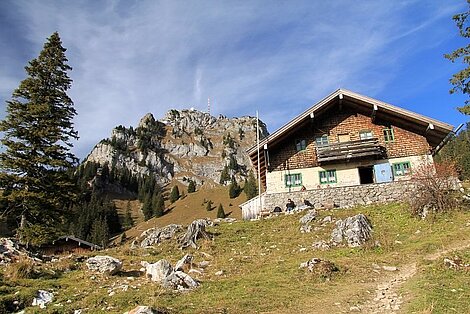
(280, 57)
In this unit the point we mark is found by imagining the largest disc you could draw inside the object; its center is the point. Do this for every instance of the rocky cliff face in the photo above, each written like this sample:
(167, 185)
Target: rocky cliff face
(186, 144)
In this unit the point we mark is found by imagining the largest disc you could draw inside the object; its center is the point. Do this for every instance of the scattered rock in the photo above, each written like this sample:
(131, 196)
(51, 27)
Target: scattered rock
(143, 310)
(156, 235)
(320, 267)
(219, 273)
(158, 271)
(321, 245)
(10, 251)
(455, 263)
(309, 217)
(356, 230)
(104, 264)
(203, 264)
(327, 219)
(196, 230)
(390, 268)
(169, 277)
(227, 219)
(186, 260)
(43, 297)
(179, 280)
(306, 220)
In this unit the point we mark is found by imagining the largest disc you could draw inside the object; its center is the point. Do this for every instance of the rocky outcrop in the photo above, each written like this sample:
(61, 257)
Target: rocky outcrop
(185, 144)
(169, 277)
(355, 230)
(104, 264)
(156, 235)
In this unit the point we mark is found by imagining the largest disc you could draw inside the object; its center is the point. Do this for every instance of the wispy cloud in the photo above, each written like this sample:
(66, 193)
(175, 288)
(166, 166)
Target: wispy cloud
(133, 57)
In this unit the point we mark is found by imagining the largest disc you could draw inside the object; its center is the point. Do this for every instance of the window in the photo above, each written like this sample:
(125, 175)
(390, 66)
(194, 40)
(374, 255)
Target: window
(300, 145)
(293, 179)
(322, 140)
(366, 134)
(388, 135)
(328, 176)
(401, 169)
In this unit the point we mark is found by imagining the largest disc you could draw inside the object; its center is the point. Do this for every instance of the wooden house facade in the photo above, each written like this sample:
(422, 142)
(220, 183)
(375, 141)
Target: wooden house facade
(347, 139)
(67, 245)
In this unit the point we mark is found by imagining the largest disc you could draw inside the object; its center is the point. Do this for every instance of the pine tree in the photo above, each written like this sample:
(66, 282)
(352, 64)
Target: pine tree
(147, 208)
(234, 189)
(128, 222)
(220, 212)
(175, 194)
(158, 205)
(209, 206)
(250, 188)
(191, 186)
(37, 133)
(100, 232)
(224, 175)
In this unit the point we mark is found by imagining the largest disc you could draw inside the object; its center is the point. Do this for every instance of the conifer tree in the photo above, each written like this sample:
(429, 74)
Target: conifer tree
(128, 222)
(250, 188)
(158, 205)
(37, 134)
(175, 194)
(147, 208)
(224, 175)
(220, 212)
(209, 206)
(191, 186)
(234, 189)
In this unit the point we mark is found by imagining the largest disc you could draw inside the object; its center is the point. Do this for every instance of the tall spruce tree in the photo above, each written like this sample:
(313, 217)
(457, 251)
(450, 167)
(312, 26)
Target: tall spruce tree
(37, 134)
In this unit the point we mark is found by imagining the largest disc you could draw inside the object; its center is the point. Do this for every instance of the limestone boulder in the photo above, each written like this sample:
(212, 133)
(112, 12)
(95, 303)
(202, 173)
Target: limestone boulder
(356, 230)
(104, 264)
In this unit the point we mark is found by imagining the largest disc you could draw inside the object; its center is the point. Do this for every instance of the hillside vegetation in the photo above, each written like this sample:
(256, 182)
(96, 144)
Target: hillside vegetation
(260, 262)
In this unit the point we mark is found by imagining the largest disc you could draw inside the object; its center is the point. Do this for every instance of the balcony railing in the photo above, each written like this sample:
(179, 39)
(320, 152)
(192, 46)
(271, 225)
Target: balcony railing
(350, 150)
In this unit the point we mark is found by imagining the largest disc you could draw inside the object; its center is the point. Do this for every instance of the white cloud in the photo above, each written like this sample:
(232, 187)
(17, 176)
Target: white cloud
(133, 57)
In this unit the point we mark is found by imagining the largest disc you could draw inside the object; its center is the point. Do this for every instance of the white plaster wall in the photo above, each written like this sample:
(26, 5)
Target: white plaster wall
(346, 174)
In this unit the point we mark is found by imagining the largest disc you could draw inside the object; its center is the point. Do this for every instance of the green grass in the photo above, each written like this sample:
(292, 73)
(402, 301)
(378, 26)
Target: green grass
(438, 289)
(260, 262)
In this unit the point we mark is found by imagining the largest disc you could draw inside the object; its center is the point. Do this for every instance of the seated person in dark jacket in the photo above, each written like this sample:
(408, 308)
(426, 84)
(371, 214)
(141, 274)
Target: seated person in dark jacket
(290, 205)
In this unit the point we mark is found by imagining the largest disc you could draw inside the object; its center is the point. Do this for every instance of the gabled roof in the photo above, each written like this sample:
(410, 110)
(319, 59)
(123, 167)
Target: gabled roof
(437, 130)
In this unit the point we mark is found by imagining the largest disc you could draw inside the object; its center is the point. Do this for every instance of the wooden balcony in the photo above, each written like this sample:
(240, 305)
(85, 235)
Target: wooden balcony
(369, 148)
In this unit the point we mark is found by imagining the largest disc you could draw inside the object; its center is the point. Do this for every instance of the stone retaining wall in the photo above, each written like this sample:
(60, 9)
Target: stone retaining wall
(344, 197)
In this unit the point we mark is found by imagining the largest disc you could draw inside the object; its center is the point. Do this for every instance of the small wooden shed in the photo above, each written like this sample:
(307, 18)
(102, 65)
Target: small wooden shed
(69, 244)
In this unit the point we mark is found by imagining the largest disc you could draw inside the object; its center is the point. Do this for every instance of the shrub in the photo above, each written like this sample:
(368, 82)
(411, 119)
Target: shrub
(434, 184)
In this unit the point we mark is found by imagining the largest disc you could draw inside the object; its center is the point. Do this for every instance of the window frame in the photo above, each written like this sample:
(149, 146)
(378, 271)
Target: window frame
(321, 140)
(292, 177)
(299, 141)
(402, 169)
(366, 132)
(387, 133)
(326, 172)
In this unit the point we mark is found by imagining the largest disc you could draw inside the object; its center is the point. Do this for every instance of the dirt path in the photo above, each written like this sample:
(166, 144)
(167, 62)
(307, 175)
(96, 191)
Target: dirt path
(387, 299)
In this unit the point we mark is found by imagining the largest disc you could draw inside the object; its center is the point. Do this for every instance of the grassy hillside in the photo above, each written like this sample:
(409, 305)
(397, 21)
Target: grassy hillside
(190, 207)
(260, 263)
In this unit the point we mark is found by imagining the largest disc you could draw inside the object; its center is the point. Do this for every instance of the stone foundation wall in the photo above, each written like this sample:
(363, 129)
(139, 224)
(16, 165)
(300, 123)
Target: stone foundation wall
(344, 197)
